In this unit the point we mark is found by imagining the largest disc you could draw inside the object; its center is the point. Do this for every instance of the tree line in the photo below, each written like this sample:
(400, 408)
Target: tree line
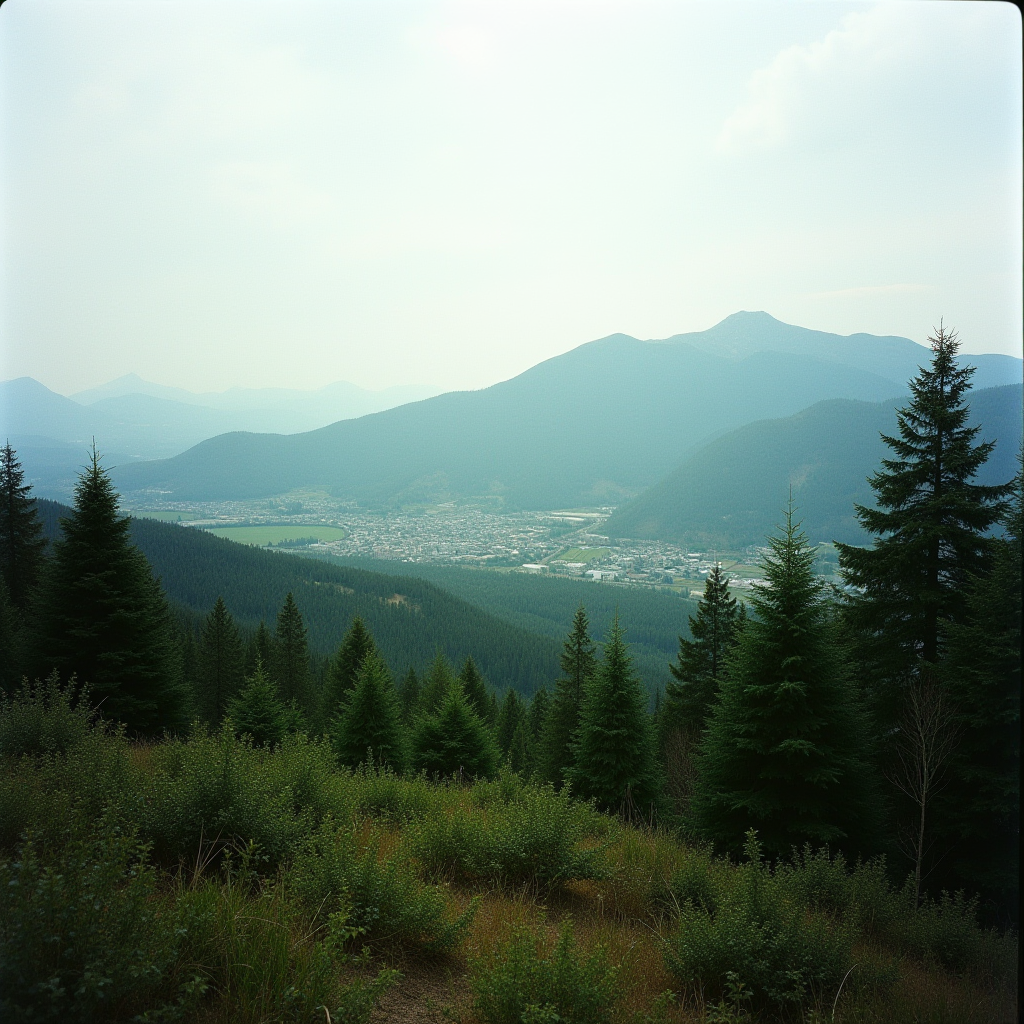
(880, 716)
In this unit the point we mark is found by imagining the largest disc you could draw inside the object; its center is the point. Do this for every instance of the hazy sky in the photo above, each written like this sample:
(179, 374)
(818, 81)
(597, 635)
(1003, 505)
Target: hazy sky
(289, 193)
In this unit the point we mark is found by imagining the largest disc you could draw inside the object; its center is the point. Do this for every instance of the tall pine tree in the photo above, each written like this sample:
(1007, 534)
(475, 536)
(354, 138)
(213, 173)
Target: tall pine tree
(929, 526)
(221, 669)
(369, 728)
(409, 695)
(344, 668)
(103, 616)
(21, 534)
(784, 751)
(476, 690)
(511, 715)
(440, 679)
(257, 711)
(977, 814)
(260, 649)
(291, 655)
(614, 751)
(578, 663)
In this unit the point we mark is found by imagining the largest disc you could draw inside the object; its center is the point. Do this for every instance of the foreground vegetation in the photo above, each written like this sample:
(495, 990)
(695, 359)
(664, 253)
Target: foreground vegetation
(205, 878)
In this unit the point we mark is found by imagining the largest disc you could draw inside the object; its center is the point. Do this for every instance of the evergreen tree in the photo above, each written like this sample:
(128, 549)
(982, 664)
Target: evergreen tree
(10, 661)
(440, 679)
(220, 666)
(343, 671)
(929, 528)
(370, 725)
(700, 664)
(978, 813)
(21, 534)
(537, 713)
(614, 751)
(291, 655)
(578, 663)
(510, 717)
(258, 712)
(454, 740)
(260, 649)
(784, 749)
(476, 690)
(409, 695)
(520, 756)
(103, 616)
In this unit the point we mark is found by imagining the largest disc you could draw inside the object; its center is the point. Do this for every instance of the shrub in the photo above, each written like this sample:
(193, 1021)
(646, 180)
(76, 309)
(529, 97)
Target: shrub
(262, 958)
(84, 938)
(380, 793)
(221, 790)
(44, 717)
(522, 980)
(385, 899)
(782, 955)
(534, 840)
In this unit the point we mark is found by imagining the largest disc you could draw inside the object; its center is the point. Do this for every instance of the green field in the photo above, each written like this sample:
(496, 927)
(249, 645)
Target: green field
(582, 554)
(261, 536)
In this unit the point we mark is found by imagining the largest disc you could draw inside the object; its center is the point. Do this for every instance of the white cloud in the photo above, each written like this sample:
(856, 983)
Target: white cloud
(269, 191)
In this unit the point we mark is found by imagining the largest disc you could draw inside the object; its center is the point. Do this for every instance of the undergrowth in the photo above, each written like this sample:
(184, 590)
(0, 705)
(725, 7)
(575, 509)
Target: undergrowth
(206, 879)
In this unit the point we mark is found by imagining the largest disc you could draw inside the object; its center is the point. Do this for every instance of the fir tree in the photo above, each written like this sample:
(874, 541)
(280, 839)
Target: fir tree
(10, 661)
(21, 534)
(520, 756)
(220, 663)
(260, 649)
(103, 617)
(978, 813)
(454, 741)
(510, 717)
(700, 664)
(476, 690)
(784, 749)
(258, 712)
(291, 655)
(370, 725)
(409, 695)
(578, 663)
(343, 671)
(929, 528)
(440, 679)
(614, 752)
(537, 712)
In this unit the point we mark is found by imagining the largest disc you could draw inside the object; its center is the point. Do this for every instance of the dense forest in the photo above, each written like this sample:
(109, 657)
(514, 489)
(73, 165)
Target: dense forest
(819, 820)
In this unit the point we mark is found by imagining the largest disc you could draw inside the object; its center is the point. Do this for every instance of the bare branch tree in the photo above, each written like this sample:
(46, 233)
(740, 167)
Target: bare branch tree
(927, 737)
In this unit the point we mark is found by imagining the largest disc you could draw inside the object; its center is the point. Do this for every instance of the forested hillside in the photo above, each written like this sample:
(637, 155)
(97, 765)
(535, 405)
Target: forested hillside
(592, 426)
(653, 620)
(729, 493)
(409, 618)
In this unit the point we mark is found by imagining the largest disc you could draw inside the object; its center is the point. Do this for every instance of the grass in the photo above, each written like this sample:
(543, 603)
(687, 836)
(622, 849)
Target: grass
(237, 883)
(261, 536)
(582, 555)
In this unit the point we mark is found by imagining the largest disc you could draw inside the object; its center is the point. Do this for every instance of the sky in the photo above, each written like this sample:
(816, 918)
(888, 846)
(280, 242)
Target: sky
(288, 193)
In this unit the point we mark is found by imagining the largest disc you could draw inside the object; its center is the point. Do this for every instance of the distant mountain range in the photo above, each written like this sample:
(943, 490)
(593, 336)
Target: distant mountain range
(731, 492)
(133, 419)
(594, 426)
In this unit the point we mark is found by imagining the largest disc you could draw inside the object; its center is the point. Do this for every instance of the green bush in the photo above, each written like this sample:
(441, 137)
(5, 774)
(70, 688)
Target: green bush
(44, 717)
(207, 793)
(385, 899)
(261, 957)
(783, 955)
(943, 931)
(694, 884)
(521, 981)
(380, 793)
(533, 840)
(84, 938)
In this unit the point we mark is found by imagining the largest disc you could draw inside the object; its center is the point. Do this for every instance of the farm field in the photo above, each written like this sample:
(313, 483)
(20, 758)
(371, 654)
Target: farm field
(261, 536)
(582, 554)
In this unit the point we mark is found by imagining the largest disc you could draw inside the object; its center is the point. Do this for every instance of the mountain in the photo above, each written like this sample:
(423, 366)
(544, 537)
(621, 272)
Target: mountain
(410, 619)
(593, 426)
(133, 419)
(898, 359)
(731, 492)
